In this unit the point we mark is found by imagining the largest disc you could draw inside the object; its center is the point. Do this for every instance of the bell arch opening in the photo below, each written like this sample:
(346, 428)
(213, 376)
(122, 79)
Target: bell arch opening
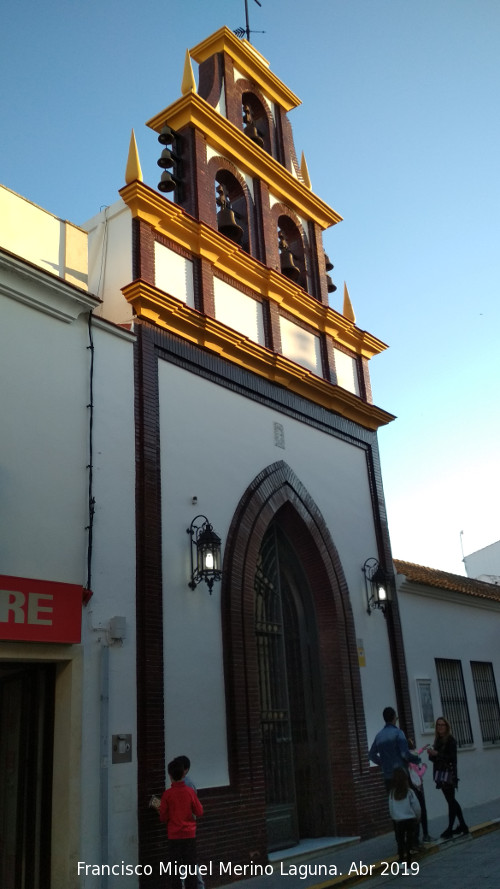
(232, 211)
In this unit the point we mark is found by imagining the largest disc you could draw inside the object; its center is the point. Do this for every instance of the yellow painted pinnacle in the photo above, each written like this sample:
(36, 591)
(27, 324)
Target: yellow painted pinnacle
(348, 311)
(133, 170)
(304, 172)
(188, 84)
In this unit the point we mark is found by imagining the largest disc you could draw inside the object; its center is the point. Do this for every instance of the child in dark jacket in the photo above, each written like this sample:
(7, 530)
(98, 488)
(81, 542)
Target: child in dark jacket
(179, 808)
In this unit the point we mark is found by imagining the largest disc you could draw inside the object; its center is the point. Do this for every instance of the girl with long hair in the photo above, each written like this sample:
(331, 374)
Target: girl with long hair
(444, 758)
(404, 809)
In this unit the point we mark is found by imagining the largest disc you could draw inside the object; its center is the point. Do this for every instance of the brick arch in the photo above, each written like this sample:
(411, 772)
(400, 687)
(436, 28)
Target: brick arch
(277, 493)
(242, 86)
(278, 210)
(217, 163)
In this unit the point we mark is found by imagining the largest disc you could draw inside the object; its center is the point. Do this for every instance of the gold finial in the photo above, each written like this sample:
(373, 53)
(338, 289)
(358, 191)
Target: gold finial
(304, 172)
(348, 311)
(188, 84)
(133, 170)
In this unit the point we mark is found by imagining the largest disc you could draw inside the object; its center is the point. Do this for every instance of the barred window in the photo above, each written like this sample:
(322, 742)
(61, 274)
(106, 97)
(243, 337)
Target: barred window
(454, 700)
(487, 701)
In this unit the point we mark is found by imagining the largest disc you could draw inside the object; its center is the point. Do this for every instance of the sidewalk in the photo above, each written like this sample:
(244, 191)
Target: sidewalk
(348, 861)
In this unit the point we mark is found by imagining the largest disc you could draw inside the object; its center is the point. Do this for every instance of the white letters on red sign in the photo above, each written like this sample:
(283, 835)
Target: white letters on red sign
(26, 607)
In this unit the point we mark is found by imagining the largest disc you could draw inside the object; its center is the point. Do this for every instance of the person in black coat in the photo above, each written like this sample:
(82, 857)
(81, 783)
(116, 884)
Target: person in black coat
(444, 758)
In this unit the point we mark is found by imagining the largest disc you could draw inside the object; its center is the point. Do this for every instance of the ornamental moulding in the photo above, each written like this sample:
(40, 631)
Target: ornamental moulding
(166, 311)
(225, 137)
(227, 258)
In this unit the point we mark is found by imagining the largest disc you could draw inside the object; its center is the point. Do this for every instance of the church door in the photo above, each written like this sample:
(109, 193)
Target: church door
(298, 796)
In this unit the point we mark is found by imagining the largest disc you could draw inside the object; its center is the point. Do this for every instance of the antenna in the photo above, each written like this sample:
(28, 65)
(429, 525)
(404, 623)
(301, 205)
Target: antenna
(462, 545)
(246, 31)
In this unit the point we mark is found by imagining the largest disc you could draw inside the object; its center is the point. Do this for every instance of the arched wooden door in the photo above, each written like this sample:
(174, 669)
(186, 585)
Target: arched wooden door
(292, 719)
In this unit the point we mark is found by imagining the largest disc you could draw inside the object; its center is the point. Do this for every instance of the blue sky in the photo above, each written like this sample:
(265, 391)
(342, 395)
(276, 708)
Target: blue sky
(400, 128)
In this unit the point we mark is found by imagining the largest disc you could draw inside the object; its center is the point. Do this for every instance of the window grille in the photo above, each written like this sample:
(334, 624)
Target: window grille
(487, 701)
(454, 700)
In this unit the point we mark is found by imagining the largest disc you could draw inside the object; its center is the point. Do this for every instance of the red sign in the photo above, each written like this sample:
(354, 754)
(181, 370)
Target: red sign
(40, 610)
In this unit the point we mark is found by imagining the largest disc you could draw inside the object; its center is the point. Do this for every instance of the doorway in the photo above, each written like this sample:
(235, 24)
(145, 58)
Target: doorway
(26, 745)
(292, 718)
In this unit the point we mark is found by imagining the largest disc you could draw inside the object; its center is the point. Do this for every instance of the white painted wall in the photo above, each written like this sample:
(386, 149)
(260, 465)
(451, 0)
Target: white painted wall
(463, 629)
(44, 457)
(484, 564)
(113, 585)
(110, 260)
(218, 442)
(239, 311)
(52, 244)
(174, 274)
(301, 346)
(346, 368)
(43, 452)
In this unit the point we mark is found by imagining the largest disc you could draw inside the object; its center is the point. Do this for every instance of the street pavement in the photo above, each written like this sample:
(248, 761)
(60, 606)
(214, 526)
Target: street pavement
(465, 862)
(462, 864)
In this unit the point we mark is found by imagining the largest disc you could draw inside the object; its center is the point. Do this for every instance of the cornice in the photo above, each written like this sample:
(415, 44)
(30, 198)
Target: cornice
(166, 312)
(249, 61)
(42, 290)
(227, 258)
(226, 138)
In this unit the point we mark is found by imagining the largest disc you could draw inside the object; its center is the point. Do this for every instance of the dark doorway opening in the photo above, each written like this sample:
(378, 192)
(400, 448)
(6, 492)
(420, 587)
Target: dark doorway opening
(26, 755)
(292, 718)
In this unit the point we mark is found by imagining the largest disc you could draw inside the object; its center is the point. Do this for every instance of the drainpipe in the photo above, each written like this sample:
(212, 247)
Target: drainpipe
(104, 751)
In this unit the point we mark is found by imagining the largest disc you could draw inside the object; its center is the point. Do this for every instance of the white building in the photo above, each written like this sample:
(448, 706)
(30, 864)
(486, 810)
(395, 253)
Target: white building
(67, 560)
(254, 412)
(484, 564)
(451, 628)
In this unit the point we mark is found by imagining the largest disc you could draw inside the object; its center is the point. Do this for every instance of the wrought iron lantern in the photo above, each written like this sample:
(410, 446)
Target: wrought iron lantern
(205, 553)
(376, 586)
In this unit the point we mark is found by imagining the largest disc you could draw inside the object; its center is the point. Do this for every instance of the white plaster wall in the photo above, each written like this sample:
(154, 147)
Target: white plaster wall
(113, 586)
(28, 231)
(484, 563)
(213, 444)
(241, 312)
(43, 453)
(346, 369)
(301, 346)
(110, 260)
(439, 628)
(44, 435)
(174, 274)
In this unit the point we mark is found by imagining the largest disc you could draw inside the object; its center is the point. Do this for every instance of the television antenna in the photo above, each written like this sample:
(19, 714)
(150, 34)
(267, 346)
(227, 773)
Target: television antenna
(246, 31)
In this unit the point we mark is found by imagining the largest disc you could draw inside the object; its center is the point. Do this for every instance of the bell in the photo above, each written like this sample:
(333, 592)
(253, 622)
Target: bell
(252, 132)
(330, 286)
(328, 263)
(167, 159)
(288, 267)
(250, 129)
(167, 182)
(227, 225)
(166, 136)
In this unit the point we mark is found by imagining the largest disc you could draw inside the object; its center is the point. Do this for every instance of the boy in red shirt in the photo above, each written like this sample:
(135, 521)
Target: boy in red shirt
(179, 808)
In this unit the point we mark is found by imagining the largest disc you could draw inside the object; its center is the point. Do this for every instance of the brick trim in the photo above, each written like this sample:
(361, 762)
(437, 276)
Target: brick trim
(149, 601)
(277, 491)
(234, 825)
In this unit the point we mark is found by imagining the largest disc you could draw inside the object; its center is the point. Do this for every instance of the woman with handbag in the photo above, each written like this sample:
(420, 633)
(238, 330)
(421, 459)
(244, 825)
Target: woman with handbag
(444, 758)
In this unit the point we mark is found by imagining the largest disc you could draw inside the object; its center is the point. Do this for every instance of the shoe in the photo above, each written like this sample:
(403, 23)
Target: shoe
(447, 834)
(427, 839)
(461, 831)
